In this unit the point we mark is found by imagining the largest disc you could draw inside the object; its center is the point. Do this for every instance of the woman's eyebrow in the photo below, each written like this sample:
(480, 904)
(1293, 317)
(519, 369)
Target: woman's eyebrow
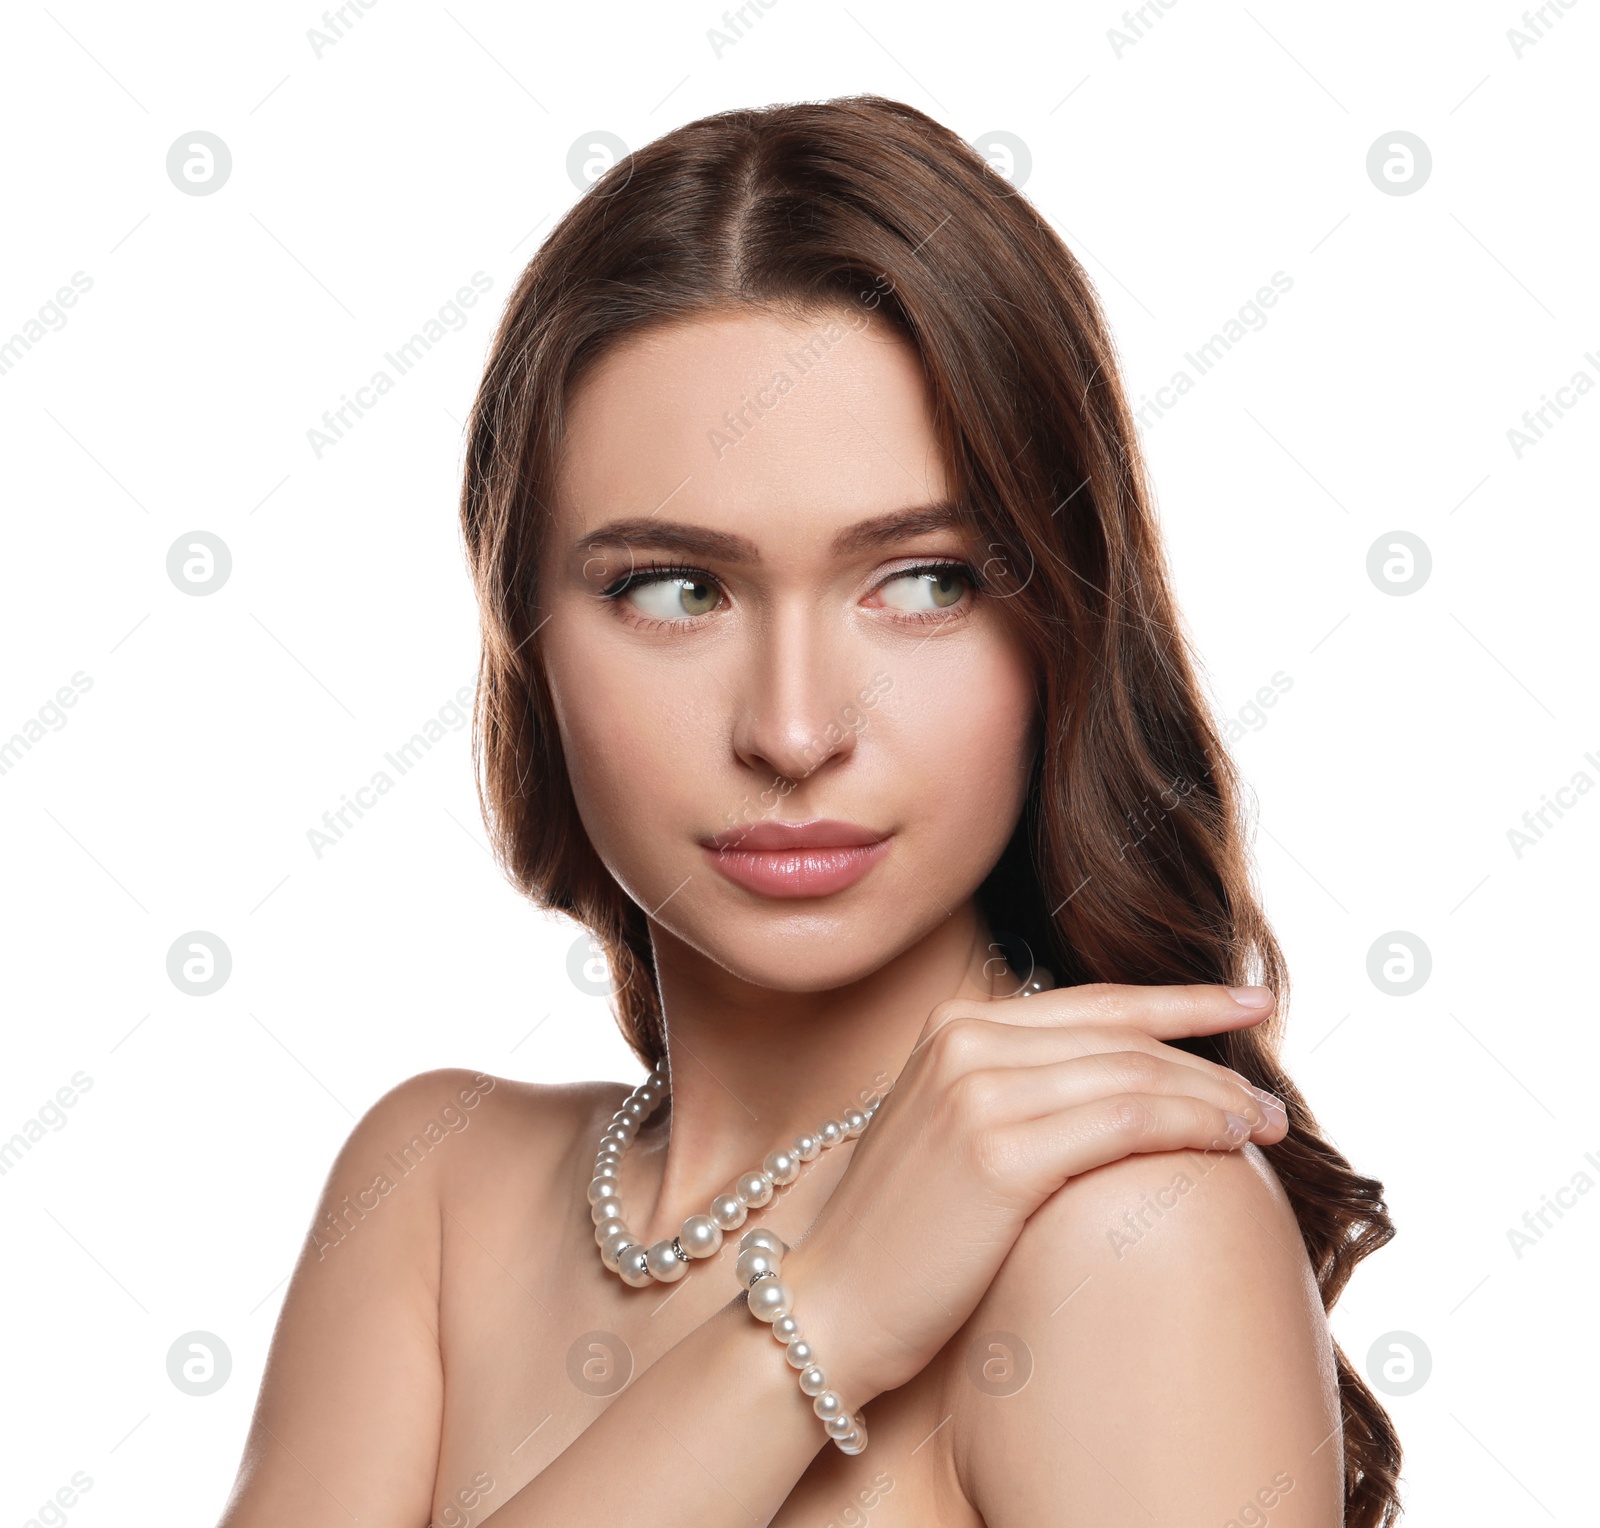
(896, 526)
(701, 541)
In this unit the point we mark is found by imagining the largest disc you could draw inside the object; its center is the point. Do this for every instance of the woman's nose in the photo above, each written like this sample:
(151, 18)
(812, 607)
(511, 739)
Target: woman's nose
(794, 698)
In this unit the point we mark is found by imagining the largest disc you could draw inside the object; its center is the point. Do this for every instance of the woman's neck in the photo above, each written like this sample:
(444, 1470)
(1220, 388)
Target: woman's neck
(751, 1068)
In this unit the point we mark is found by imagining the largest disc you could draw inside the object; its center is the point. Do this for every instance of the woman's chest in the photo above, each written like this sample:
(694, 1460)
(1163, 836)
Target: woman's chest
(533, 1357)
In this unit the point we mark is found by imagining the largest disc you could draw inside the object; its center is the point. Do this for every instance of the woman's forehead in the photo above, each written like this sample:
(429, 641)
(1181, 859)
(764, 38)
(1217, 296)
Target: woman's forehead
(755, 424)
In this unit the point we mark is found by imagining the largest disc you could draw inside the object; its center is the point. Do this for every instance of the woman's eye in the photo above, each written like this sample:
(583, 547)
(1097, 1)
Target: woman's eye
(925, 589)
(673, 599)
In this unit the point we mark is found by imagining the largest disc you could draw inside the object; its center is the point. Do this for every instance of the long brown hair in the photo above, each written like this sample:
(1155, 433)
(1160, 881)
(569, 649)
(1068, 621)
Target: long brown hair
(1129, 863)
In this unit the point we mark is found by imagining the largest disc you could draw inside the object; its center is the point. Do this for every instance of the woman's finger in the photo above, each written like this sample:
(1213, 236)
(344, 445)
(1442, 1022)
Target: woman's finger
(970, 1044)
(1056, 1147)
(1018, 1093)
(1164, 1013)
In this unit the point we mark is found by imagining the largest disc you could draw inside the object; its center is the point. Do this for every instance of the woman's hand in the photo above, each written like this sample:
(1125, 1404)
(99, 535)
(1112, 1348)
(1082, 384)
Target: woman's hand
(999, 1104)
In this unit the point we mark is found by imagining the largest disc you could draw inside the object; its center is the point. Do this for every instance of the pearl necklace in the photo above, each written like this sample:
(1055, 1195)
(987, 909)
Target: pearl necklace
(700, 1235)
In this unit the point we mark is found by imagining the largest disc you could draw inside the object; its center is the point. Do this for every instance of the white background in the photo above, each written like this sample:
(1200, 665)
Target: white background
(367, 185)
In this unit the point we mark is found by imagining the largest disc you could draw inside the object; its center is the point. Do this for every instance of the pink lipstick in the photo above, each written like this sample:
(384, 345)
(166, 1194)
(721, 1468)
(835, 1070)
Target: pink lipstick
(796, 859)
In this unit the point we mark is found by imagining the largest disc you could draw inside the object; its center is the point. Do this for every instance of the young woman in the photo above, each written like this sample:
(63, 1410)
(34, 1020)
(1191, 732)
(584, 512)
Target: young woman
(832, 679)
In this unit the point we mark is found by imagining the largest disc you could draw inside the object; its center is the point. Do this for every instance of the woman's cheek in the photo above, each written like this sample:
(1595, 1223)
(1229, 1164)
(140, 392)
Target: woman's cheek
(965, 735)
(636, 752)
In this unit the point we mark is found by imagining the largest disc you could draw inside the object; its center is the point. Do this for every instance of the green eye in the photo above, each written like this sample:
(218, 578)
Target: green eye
(925, 589)
(674, 598)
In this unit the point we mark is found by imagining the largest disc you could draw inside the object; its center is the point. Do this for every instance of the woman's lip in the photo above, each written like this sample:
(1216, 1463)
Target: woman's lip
(811, 872)
(821, 833)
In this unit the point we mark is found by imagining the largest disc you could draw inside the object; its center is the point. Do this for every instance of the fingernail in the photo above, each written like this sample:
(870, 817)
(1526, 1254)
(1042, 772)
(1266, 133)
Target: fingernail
(1251, 997)
(1277, 1114)
(1238, 1126)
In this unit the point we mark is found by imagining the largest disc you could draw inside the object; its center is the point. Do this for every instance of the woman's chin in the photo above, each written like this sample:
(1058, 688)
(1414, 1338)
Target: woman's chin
(802, 952)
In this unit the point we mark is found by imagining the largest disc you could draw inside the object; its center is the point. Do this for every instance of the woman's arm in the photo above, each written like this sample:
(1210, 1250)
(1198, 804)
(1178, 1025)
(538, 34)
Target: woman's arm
(998, 1106)
(714, 1434)
(1181, 1366)
(347, 1423)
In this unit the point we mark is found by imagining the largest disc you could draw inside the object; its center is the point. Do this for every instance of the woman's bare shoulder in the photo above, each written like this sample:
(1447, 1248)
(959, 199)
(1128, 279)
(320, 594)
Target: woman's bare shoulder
(352, 1401)
(1154, 1343)
(522, 1125)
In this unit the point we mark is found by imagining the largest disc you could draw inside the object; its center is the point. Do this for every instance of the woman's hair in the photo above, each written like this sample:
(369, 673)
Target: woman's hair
(1129, 863)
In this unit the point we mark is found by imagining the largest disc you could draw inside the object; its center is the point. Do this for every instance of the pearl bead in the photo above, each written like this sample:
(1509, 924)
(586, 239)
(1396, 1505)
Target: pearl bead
(853, 1442)
(634, 1267)
(612, 1247)
(760, 1260)
(754, 1188)
(663, 1263)
(754, 1261)
(781, 1166)
(813, 1379)
(701, 1236)
(828, 1404)
(761, 1237)
(839, 1427)
(770, 1299)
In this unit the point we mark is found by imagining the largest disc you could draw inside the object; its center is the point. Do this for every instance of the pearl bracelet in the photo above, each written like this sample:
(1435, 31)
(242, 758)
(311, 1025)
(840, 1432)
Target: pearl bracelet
(758, 1268)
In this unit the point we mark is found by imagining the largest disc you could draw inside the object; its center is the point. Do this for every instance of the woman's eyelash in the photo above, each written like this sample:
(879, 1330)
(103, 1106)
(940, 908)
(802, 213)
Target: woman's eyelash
(938, 565)
(657, 572)
(652, 572)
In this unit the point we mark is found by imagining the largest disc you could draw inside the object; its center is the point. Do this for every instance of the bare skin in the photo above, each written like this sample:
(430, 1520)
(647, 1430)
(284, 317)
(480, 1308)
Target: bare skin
(1054, 1271)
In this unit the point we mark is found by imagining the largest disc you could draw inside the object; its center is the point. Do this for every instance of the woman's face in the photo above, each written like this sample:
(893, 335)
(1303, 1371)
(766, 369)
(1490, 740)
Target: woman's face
(796, 735)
